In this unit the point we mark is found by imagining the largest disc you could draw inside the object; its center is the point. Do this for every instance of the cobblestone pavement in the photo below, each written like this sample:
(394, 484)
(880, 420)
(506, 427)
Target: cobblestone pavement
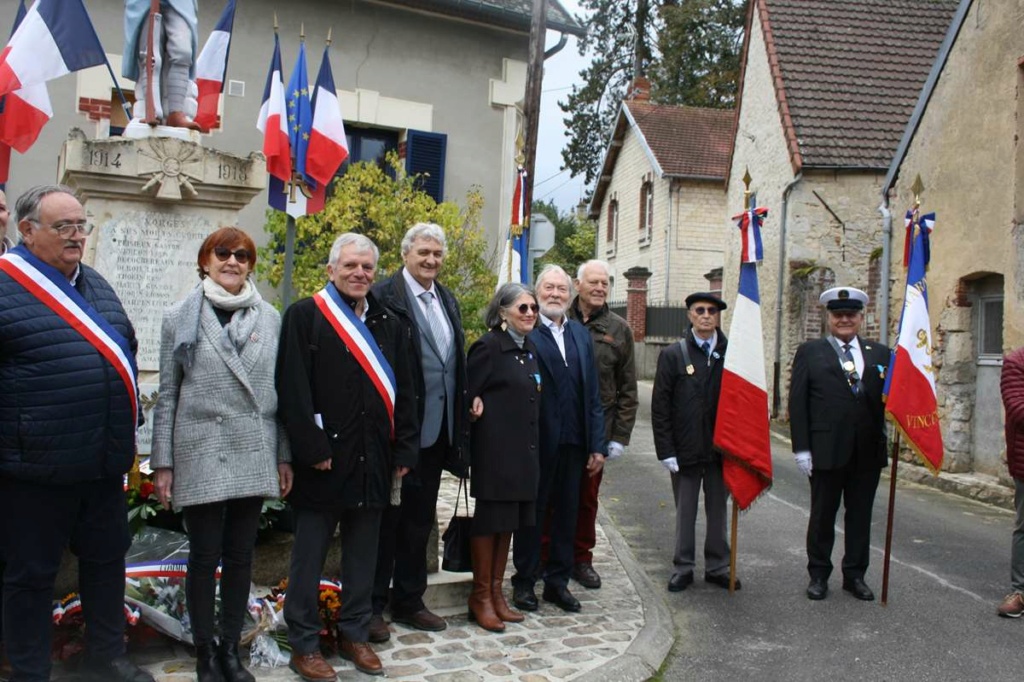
(623, 632)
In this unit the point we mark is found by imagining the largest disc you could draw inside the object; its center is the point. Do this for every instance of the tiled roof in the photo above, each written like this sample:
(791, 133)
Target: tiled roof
(687, 141)
(514, 14)
(852, 71)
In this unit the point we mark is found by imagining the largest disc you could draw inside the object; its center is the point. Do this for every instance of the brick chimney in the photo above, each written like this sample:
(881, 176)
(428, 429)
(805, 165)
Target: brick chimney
(640, 90)
(636, 300)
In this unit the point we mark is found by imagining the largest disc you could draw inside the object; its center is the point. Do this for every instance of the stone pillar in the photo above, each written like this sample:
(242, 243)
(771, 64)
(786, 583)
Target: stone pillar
(714, 278)
(636, 300)
(153, 201)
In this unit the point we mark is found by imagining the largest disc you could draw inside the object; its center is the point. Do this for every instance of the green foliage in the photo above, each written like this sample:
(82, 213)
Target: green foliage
(689, 49)
(575, 239)
(383, 205)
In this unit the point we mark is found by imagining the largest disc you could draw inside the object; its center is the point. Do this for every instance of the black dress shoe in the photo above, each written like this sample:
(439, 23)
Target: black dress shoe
(858, 588)
(231, 663)
(585, 575)
(818, 589)
(679, 582)
(524, 598)
(721, 580)
(119, 669)
(561, 597)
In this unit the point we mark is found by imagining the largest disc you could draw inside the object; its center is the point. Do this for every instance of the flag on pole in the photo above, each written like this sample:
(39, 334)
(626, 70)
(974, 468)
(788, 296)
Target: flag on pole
(741, 426)
(23, 113)
(300, 195)
(212, 68)
(273, 121)
(515, 258)
(55, 38)
(910, 399)
(328, 146)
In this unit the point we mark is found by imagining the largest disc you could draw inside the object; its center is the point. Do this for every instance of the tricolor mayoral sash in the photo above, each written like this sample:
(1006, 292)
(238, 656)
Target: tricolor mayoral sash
(54, 291)
(360, 342)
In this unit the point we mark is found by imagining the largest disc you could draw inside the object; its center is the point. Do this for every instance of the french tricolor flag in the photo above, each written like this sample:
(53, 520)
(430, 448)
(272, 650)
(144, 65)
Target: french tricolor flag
(741, 426)
(212, 67)
(24, 112)
(273, 121)
(328, 146)
(55, 38)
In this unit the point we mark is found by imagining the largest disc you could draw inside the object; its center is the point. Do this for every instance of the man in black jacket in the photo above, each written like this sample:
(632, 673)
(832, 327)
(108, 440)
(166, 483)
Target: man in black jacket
(67, 437)
(837, 423)
(438, 357)
(684, 404)
(345, 393)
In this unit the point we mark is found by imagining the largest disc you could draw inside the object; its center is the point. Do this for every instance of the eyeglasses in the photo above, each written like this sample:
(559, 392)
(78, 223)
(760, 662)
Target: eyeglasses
(523, 307)
(67, 230)
(223, 253)
(701, 310)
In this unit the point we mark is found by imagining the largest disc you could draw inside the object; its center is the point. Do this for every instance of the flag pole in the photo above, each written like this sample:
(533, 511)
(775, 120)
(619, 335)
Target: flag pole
(747, 205)
(289, 235)
(154, 9)
(888, 523)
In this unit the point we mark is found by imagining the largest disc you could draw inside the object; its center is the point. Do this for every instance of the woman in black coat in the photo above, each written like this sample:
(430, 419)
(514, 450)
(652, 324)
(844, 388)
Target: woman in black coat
(504, 387)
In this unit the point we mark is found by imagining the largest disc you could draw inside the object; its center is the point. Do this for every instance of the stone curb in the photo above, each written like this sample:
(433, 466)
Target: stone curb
(648, 651)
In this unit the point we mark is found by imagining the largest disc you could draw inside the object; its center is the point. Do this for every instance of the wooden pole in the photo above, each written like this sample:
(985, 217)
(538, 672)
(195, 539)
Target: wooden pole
(154, 9)
(888, 523)
(732, 547)
(531, 107)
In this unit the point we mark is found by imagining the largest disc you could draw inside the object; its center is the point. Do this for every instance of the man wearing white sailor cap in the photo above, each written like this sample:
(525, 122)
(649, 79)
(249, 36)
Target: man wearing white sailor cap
(837, 425)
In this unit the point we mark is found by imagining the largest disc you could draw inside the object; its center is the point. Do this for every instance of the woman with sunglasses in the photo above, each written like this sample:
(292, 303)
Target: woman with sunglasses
(218, 447)
(504, 388)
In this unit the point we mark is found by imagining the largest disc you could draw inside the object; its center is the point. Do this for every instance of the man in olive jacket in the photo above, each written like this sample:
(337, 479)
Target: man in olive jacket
(613, 352)
(333, 386)
(684, 404)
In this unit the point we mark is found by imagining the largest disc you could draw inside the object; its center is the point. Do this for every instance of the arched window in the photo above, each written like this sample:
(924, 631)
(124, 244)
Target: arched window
(646, 211)
(612, 231)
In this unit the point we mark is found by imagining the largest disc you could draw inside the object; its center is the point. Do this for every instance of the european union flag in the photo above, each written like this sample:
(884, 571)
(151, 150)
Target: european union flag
(300, 114)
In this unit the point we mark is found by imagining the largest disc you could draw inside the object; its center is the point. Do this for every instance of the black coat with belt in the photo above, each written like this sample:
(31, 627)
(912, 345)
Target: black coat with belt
(826, 418)
(505, 439)
(684, 406)
(392, 294)
(317, 374)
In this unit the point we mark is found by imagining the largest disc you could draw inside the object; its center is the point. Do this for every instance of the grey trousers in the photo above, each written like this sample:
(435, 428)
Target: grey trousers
(313, 533)
(686, 486)
(1017, 550)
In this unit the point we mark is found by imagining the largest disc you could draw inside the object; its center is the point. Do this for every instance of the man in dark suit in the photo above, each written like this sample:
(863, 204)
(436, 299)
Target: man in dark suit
(438, 356)
(572, 442)
(838, 429)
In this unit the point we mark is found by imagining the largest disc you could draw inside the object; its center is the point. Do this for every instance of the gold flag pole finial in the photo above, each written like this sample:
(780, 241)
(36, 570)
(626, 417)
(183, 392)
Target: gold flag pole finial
(329, 32)
(275, 23)
(918, 189)
(302, 32)
(746, 189)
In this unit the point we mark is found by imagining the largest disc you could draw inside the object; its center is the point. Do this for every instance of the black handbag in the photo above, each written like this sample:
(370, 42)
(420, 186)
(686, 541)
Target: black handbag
(457, 556)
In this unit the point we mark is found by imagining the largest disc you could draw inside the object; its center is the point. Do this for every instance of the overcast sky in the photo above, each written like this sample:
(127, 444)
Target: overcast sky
(560, 73)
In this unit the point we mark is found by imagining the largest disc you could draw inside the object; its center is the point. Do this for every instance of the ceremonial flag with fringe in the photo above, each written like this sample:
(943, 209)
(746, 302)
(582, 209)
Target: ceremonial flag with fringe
(518, 244)
(741, 425)
(910, 399)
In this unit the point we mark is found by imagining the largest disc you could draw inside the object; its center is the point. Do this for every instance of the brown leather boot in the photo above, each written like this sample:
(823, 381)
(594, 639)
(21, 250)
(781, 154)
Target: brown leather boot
(501, 608)
(178, 119)
(481, 604)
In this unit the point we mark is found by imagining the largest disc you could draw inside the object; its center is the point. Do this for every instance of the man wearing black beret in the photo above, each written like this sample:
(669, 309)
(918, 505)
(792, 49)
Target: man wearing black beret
(684, 404)
(837, 423)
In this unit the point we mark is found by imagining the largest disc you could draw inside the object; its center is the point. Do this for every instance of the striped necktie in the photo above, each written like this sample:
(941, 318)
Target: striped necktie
(437, 326)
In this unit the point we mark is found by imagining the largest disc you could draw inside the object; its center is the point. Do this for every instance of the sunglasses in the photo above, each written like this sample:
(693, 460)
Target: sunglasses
(523, 307)
(223, 253)
(701, 310)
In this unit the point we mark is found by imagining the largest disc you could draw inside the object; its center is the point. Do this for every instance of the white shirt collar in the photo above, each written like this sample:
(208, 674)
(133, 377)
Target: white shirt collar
(713, 340)
(552, 325)
(854, 343)
(416, 288)
(74, 278)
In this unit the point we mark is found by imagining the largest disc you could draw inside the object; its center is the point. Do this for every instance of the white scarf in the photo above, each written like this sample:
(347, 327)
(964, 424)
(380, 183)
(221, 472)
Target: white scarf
(245, 305)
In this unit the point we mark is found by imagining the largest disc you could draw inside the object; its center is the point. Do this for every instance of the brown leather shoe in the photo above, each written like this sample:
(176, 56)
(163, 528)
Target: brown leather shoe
(178, 119)
(312, 667)
(379, 631)
(362, 657)
(421, 620)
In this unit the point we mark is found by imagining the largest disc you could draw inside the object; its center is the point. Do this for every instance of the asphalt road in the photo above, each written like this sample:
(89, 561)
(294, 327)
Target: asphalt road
(950, 568)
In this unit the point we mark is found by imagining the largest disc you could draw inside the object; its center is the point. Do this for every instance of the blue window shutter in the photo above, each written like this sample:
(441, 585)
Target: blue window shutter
(425, 153)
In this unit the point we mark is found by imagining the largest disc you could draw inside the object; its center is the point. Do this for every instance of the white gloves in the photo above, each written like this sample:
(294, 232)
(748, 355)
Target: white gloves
(803, 463)
(615, 449)
(671, 464)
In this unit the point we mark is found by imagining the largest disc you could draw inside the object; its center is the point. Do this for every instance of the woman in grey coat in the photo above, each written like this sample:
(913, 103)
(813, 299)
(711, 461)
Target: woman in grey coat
(218, 447)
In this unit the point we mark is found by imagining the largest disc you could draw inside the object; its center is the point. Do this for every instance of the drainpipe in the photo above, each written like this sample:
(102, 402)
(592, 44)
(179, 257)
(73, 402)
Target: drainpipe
(668, 242)
(551, 52)
(883, 315)
(777, 367)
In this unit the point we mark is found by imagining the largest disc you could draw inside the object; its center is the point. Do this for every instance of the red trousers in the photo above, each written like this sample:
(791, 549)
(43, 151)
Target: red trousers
(586, 522)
